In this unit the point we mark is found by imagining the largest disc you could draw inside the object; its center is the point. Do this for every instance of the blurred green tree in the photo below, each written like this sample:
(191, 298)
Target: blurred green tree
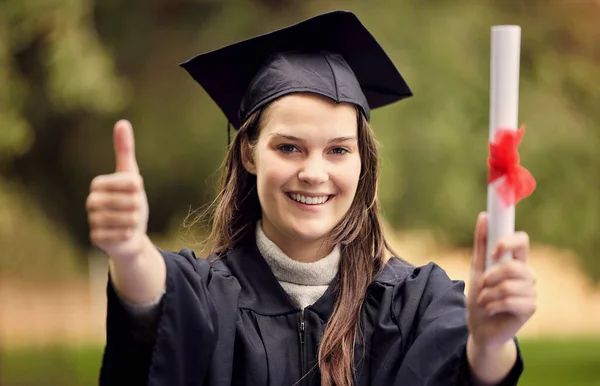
(71, 69)
(54, 71)
(51, 62)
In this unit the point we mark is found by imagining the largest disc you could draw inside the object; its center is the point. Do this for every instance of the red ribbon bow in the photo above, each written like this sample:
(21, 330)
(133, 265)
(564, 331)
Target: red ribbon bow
(503, 161)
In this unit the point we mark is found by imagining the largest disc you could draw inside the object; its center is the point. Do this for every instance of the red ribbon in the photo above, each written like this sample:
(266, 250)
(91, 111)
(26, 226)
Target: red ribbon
(503, 161)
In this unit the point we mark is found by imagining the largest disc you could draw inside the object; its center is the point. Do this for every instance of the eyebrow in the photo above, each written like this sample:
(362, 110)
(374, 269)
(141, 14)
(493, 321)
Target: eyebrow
(297, 139)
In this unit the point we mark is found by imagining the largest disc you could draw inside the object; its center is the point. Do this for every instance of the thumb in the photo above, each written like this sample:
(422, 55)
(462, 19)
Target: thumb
(125, 147)
(479, 244)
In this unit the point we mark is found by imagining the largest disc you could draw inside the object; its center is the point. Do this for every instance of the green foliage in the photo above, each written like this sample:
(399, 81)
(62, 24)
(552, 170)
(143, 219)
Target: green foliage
(434, 146)
(77, 71)
(14, 129)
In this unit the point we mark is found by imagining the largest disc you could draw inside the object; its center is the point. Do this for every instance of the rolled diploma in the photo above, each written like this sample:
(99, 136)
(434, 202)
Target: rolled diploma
(504, 111)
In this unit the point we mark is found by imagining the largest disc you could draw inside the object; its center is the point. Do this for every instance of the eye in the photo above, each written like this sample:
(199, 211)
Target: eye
(286, 148)
(339, 151)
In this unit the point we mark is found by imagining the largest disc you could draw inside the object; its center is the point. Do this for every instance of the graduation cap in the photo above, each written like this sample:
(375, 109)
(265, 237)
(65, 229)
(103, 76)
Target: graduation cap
(331, 54)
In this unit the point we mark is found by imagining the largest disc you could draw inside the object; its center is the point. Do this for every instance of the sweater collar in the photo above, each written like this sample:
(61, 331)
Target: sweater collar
(318, 273)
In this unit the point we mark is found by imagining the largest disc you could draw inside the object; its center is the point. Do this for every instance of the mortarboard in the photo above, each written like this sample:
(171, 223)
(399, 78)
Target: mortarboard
(331, 54)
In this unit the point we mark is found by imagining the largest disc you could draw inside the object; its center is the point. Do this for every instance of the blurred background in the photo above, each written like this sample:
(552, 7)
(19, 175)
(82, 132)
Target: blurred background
(70, 68)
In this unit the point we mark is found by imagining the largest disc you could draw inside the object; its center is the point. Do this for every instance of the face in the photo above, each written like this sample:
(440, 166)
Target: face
(307, 165)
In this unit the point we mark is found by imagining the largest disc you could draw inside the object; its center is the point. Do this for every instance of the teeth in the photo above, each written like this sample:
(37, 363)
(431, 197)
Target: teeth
(309, 200)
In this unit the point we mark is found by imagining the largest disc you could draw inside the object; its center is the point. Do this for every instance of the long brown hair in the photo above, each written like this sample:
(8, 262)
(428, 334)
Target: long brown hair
(236, 210)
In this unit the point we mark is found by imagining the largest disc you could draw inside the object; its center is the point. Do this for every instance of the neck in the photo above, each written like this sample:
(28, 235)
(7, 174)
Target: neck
(298, 250)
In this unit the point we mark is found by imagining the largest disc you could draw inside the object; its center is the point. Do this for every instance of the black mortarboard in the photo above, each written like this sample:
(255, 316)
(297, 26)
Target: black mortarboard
(332, 54)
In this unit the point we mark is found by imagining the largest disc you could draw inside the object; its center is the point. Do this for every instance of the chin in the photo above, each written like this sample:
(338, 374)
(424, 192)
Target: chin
(310, 230)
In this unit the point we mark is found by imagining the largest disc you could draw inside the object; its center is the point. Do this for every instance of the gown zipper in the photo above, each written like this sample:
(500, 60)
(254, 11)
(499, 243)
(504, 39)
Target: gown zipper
(302, 332)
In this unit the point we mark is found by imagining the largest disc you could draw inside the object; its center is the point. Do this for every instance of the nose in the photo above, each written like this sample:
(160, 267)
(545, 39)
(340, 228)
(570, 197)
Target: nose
(314, 171)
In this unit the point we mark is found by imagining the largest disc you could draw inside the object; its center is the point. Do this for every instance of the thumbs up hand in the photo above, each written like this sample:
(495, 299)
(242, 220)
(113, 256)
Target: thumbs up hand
(117, 206)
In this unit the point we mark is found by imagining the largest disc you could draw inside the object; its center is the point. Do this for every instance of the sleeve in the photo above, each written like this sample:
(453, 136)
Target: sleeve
(142, 310)
(144, 314)
(431, 315)
(155, 353)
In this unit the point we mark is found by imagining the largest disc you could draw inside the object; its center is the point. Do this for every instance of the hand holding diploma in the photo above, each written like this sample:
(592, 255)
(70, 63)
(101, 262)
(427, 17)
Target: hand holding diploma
(502, 295)
(500, 301)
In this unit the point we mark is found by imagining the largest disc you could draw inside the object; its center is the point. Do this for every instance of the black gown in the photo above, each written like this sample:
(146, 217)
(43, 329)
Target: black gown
(229, 322)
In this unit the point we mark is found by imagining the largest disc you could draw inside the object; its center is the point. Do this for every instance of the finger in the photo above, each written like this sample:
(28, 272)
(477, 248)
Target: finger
(113, 219)
(516, 305)
(124, 143)
(101, 200)
(505, 289)
(517, 243)
(507, 270)
(110, 236)
(118, 183)
(479, 244)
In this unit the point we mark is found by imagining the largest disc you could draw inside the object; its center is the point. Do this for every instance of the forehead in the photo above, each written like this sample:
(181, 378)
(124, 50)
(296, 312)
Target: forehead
(310, 114)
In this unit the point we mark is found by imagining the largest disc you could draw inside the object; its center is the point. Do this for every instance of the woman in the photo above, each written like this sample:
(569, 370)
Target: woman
(297, 289)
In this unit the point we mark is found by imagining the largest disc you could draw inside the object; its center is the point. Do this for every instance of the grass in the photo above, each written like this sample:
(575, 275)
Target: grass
(561, 362)
(547, 363)
(50, 366)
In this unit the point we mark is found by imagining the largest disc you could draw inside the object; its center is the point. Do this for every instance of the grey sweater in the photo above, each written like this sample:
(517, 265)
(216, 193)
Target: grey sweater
(304, 283)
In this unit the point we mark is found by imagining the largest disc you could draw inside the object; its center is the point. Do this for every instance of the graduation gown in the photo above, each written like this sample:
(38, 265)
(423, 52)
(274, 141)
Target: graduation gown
(228, 321)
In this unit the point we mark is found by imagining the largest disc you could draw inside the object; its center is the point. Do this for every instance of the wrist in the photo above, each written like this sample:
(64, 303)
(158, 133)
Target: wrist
(140, 278)
(490, 364)
(482, 349)
(134, 254)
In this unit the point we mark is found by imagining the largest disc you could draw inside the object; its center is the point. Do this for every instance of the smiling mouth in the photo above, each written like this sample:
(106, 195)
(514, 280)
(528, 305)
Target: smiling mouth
(309, 200)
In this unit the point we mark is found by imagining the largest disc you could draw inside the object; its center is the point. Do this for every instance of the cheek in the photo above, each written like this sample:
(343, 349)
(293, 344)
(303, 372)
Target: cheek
(270, 179)
(347, 178)
(271, 175)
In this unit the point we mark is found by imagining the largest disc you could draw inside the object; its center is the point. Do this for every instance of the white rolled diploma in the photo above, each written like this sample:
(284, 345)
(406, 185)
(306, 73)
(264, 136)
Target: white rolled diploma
(504, 113)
